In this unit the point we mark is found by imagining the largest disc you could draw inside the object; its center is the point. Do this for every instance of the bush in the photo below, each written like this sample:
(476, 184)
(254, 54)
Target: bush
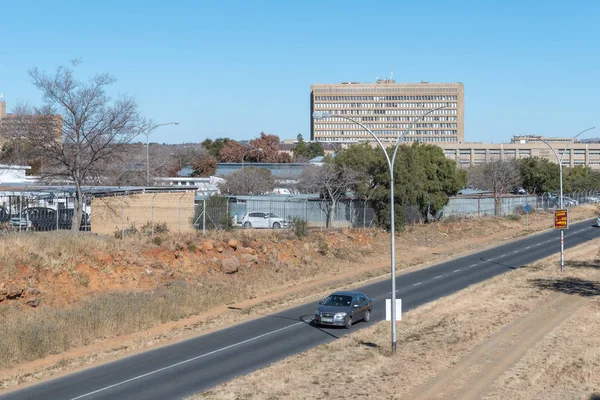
(513, 217)
(159, 227)
(300, 227)
(128, 232)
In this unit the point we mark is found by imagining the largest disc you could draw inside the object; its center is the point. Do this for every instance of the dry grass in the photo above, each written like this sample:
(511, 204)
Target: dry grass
(436, 336)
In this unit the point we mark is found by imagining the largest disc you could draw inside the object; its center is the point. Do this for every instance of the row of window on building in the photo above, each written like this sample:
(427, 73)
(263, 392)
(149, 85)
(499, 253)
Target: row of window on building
(383, 105)
(407, 119)
(319, 126)
(420, 132)
(386, 98)
(443, 111)
(389, 138)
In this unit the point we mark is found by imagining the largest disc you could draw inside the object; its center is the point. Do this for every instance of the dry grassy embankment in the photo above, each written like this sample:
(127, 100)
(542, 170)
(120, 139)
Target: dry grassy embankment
(88, 288)
(485, 325)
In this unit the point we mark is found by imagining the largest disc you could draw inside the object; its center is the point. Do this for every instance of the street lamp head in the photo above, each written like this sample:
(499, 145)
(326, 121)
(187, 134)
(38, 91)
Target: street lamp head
(321, 115)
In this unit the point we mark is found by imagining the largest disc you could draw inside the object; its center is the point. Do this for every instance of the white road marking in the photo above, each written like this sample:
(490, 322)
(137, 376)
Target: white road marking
(472, 265)
(437, 277)
(456, 270)
(185, 361)
(528, 247)
(417, 284)
(538, 244)
(516, 251)
(501, 255)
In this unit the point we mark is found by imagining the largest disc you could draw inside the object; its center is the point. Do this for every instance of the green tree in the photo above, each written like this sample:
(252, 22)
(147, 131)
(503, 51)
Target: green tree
(580, 178)
(214, 146)
(424, 179)
(304, 152)
(539, 175)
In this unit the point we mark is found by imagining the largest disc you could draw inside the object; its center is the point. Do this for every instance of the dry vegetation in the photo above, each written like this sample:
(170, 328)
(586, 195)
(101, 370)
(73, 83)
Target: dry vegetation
(435, 339)
(94, 287)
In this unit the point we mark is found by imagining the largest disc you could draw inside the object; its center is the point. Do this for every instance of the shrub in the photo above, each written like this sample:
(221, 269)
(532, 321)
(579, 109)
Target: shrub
(300, 227)
(128, 232)
(513, 217)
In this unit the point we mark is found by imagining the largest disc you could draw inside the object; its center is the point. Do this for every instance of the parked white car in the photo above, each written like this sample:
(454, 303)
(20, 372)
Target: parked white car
(257, 219)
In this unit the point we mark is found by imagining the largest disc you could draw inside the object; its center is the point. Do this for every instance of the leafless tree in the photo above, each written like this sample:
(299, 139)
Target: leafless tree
(250, 180)
(331, 181)
(498, 176)
(93, 131)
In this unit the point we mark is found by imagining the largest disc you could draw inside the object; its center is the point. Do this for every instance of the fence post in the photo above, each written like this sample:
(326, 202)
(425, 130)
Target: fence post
(204, 216)
(179, 214)
(364, 214)
(123, 218)
(20, 211)
(152, 218)
(57, 214)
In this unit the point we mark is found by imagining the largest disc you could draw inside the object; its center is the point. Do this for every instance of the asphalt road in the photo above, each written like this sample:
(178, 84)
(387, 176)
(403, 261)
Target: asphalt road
(194, 365)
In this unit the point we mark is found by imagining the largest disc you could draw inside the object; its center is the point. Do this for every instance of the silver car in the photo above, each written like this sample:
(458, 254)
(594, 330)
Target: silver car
(343, 308)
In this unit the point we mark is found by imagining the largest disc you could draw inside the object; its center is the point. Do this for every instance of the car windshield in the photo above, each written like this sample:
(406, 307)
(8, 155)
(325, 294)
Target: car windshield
(338, 301)
(273, 215)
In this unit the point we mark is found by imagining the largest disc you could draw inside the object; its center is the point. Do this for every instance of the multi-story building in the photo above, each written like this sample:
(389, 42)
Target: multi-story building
(13, 125)
(388, 108)
(578, 153)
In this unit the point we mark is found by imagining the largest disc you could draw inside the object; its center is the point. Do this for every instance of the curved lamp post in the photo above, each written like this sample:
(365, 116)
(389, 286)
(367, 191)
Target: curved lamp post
(147, 133)
(248, 151)
(321, 115)
(560, 165)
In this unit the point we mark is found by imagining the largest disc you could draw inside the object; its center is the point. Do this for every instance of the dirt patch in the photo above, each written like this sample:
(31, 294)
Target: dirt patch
(264, 288)
(527, 334)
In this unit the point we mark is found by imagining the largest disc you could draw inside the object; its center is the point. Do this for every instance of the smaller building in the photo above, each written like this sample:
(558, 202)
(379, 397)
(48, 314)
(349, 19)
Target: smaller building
(14, 174)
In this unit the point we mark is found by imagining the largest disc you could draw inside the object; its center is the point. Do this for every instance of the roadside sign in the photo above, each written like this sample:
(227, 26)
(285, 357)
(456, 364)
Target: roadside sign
(388, 309)
(527, 208)
(561, 220)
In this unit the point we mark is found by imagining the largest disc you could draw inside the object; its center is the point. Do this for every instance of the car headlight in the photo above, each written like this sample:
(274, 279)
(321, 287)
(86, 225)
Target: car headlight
(340, 315)
(317, 312)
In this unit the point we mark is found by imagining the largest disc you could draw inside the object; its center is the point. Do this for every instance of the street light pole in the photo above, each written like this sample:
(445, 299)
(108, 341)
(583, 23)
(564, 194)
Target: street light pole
(321, 115)
(247, 151)
(147, 134)
(560, 177)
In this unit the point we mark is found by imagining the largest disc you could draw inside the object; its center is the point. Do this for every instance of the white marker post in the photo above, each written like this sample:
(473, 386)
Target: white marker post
(388, 309)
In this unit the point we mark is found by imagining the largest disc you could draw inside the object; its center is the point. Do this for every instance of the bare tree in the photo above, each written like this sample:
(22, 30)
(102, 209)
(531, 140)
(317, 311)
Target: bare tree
(331, 181)
(498, 176)
(250, 180)
(94, 128)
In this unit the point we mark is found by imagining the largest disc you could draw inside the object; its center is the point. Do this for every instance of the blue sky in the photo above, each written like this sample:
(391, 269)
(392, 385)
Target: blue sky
(236, 68)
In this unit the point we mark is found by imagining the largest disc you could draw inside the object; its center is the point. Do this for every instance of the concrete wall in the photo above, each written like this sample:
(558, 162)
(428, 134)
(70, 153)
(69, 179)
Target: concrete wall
(111, 214)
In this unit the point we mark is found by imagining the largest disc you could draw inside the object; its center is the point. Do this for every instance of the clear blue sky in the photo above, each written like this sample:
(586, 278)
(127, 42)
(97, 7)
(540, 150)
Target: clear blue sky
(236, 68)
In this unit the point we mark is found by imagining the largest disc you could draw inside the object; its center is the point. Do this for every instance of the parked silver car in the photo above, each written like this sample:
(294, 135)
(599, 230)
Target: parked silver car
(257, 219)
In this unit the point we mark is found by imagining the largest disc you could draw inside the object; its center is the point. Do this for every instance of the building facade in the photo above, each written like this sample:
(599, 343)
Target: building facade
(388, 108)
(578, 153)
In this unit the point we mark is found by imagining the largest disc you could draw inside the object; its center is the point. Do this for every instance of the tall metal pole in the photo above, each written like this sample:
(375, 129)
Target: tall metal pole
(390, 162)
(560, 201)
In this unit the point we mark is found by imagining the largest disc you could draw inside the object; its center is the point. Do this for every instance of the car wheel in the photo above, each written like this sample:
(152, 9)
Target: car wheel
(348, 322)
(276, 225)
(247, 225)
(367, 316)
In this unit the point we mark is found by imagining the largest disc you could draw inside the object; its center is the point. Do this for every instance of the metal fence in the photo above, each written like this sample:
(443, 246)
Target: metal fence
(222, 212)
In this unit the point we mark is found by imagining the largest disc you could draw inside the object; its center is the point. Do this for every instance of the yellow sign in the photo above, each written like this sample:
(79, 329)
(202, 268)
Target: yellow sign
(561, 220)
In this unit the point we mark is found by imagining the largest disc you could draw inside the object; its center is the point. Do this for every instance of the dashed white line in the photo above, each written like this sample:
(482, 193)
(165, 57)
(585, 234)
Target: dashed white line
(184, 362)
(437, 277)
(501, 255)
(516, 251)
(472, 265)
(417, 284)
(528, 247)
(456, 270)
